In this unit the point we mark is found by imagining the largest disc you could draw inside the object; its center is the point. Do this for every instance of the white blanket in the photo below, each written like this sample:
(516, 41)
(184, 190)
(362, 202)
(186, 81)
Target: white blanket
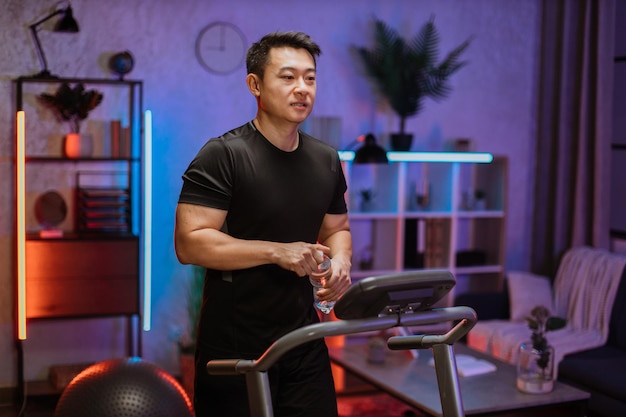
(584, 294)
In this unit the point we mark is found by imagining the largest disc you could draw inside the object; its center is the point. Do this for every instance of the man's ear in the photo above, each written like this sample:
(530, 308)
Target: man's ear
(252, 80)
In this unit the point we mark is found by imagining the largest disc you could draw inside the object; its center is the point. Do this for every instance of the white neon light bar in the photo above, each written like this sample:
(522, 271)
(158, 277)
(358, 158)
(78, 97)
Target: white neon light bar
(21, 224)
(147, 225)
(468, 157)
(346, 155)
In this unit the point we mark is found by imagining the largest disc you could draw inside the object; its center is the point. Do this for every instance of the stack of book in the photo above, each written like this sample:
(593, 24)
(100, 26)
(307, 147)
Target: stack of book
(103, 210)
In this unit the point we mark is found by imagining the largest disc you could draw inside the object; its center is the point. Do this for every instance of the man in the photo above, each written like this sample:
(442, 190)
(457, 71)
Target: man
(259, 207)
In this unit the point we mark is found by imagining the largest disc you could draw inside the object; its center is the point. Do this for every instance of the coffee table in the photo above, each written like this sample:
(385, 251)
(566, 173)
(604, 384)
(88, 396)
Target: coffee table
(414, 382)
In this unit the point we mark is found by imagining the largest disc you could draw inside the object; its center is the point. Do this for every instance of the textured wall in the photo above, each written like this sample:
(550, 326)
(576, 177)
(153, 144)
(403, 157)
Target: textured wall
(493, 102)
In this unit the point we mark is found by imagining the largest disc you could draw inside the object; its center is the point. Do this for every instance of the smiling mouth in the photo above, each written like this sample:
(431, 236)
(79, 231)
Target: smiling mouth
(299, 105)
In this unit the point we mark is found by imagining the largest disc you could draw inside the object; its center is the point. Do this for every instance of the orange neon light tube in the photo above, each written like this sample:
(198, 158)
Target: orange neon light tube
(21, 224)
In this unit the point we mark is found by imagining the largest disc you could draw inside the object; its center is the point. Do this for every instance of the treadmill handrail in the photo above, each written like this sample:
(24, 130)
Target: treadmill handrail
(425, 341)
(316, 331)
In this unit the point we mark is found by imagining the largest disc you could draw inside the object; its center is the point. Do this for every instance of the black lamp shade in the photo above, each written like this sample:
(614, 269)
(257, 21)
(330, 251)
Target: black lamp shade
(370, 152)
(67, 23)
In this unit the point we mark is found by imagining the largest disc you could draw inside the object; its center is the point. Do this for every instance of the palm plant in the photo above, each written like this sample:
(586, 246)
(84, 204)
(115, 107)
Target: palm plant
(406, 72)
(187, 344)
(72, 104)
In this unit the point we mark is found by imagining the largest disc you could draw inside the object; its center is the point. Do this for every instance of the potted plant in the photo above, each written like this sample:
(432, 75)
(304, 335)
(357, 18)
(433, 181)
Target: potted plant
(480, 200)
(187, 342)
(406, 71)
(535, 367)
(366, 199)
(72, 105)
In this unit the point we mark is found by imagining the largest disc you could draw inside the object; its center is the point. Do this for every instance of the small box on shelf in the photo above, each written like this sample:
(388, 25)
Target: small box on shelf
(103, 209)
(103, 203)
(50, 233)
(437, 243)
(471, 258)
(120, 140)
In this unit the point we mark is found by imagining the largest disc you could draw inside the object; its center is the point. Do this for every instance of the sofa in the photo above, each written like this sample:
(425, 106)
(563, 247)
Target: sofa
(589, 290)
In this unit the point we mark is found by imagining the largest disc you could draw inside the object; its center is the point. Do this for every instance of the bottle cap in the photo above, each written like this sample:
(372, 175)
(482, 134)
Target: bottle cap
(325, 265)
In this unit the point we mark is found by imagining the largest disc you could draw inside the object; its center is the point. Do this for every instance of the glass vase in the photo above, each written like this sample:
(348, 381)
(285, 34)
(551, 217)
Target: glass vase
(535, 369)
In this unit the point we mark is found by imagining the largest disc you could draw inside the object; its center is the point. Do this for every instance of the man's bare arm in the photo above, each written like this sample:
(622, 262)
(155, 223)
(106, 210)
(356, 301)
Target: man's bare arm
(198, 240)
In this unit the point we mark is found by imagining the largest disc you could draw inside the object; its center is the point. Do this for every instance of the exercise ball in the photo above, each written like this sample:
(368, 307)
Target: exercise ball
(128, 387)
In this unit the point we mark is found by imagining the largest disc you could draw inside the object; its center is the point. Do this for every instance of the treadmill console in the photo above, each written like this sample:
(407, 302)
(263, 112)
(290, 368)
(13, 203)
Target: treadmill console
(394, 293)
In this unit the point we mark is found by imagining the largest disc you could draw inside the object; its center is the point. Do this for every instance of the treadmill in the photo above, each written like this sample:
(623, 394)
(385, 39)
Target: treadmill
(375, 303)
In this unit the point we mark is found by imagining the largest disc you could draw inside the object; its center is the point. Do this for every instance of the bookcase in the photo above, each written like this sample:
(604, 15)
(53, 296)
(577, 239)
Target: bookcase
(411, 214)
(88, 263)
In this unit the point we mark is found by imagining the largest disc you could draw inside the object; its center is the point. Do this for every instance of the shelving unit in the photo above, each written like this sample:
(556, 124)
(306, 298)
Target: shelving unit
(91, 266)
(449, 230)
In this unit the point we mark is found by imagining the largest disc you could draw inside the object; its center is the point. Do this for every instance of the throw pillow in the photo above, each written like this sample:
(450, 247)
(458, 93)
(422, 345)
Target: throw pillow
(526, 291)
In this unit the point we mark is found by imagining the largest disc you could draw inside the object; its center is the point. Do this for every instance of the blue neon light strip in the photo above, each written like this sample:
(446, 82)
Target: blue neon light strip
(147, 226)
(468, 157)
(346, 155)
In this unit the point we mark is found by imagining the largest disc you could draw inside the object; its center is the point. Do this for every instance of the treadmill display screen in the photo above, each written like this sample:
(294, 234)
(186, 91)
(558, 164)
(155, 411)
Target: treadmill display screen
(412, 294)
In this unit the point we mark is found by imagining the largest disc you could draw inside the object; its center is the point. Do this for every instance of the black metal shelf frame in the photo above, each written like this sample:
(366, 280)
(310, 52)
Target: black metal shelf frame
(133, 166)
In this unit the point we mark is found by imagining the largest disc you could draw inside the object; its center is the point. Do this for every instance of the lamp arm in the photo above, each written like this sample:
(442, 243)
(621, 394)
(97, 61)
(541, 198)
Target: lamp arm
(50, 16)
(40, 54)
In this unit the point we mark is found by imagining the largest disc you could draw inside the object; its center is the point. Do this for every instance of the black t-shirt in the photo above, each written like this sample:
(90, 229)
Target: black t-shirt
(270, 195)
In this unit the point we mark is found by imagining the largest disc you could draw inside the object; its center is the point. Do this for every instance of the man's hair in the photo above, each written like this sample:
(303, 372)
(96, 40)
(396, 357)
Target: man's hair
(257, 57)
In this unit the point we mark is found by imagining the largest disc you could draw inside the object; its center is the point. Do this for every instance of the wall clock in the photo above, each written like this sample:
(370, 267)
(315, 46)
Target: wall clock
(221, 47)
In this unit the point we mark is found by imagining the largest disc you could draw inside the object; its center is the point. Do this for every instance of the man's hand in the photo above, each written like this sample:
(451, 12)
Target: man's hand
(300, 257)
(338, 282)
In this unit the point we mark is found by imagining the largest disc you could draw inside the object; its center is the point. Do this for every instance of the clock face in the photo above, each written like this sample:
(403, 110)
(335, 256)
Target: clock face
(221, 47)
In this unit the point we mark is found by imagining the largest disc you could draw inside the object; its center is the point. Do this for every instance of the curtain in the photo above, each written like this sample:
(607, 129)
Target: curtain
(572, 172)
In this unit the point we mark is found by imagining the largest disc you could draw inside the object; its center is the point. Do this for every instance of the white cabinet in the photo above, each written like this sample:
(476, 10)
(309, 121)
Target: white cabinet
(427, 215)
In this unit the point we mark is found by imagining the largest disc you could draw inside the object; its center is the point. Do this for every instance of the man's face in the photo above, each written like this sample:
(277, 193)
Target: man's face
(288, 86)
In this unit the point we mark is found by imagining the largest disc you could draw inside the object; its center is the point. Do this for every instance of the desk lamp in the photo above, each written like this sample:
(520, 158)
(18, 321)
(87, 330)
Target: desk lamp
(67, 23)
(370, 152)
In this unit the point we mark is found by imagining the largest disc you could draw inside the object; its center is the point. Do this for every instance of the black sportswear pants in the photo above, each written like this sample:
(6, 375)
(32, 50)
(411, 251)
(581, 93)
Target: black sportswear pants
(301, 384)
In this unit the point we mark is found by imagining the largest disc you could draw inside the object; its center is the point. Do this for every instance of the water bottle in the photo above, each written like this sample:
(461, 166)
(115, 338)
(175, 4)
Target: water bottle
(318, 280)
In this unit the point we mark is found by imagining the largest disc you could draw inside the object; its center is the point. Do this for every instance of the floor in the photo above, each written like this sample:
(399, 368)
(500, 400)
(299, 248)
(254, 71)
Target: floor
(367, 404)
(40, 407)
(372, 405)
(377, 405)
(360, 399)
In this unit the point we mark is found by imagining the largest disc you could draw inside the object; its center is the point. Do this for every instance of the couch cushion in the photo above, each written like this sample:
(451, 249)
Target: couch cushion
(526, 291)
(600, 369)
(617, 326)
(488, 305)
